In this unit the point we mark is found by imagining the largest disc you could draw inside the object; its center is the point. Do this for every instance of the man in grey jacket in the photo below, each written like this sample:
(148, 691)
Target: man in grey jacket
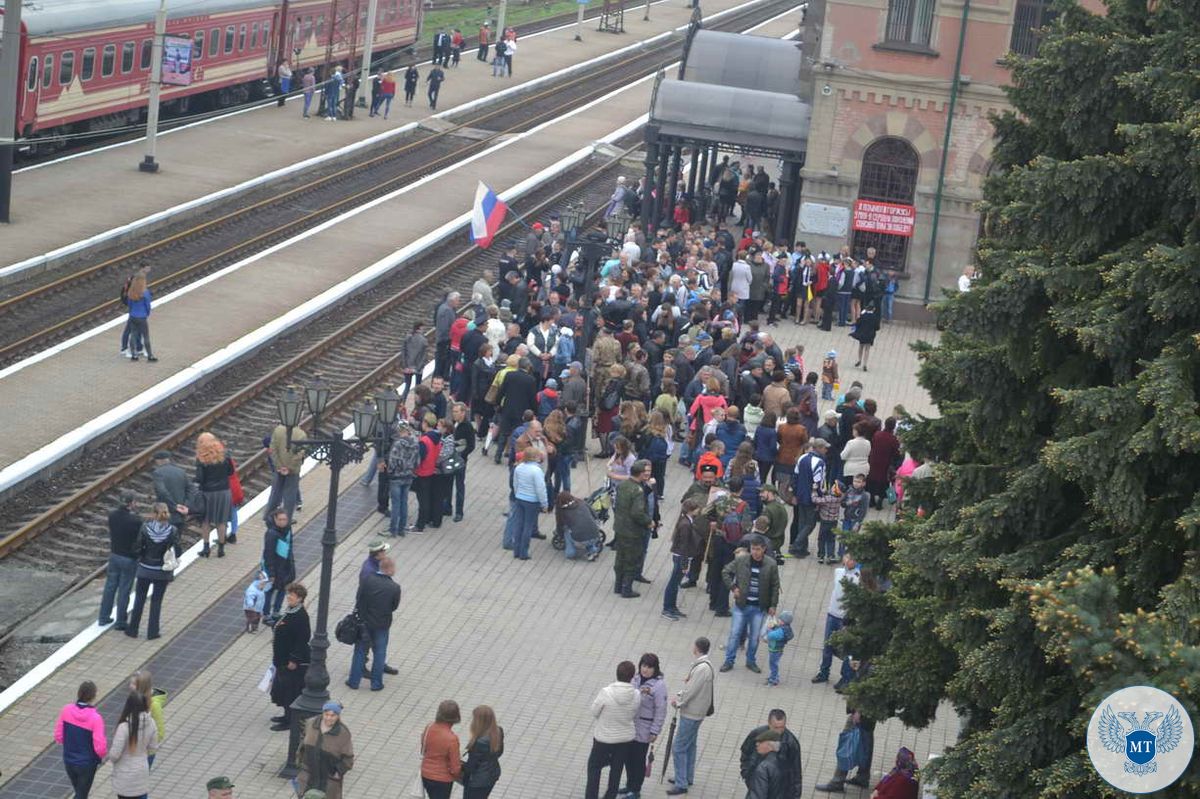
(171, 487)
(754, 580)
(443, 319)
(694, 703)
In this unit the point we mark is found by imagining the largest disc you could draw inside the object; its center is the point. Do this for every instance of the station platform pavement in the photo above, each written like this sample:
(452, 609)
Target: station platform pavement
(58, 204)
(89, 378)
(536, 640)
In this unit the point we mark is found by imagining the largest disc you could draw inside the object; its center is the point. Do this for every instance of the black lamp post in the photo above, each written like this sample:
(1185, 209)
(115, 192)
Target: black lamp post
(336, 452)
(572, 218)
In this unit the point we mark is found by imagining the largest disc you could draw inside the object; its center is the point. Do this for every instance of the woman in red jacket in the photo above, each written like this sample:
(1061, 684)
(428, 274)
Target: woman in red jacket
(901, 781)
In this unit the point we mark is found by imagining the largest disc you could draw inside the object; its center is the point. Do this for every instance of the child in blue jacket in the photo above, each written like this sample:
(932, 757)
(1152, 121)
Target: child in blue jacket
(777, 636)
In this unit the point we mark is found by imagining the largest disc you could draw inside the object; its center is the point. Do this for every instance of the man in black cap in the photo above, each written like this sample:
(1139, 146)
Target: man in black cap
(220, 788)
(171, 487)
(788, 755)
(123, 527)
(767, 780)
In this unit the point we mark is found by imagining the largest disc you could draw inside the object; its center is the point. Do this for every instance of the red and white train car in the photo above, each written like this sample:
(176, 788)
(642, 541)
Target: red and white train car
(87, 62)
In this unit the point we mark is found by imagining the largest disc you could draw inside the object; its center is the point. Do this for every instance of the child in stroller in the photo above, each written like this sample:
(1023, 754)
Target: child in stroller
(575, 527)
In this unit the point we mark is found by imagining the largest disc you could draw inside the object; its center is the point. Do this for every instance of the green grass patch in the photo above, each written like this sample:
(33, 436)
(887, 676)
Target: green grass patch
(468, 19)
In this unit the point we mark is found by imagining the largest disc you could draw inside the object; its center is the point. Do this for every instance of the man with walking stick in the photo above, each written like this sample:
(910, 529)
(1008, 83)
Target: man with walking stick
(692, 705)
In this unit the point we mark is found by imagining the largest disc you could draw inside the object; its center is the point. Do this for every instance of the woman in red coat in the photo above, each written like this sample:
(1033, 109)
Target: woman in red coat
(884, 458)
(901, 781)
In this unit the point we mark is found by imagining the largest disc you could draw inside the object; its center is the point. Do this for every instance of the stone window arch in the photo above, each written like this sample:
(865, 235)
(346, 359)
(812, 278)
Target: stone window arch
(890, 167)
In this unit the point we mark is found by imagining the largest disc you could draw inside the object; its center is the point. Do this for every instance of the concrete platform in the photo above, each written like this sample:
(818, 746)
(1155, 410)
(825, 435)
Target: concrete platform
(533, 639)
(50, 210)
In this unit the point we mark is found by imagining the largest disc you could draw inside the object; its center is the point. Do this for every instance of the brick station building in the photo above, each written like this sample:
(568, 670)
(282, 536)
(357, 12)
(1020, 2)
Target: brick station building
(883, 74)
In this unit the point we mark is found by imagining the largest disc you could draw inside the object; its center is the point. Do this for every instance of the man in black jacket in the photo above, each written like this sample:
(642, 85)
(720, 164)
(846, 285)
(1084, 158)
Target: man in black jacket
(787, 756)
(377, 599)
(123, 527)
(518, 393)
(766, 781)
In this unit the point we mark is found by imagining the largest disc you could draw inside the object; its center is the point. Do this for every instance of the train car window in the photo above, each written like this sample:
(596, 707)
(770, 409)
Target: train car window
(128, 51)
(66, 67)
(308, 28)
(229, 34)
(88, 68)
(254, 36)
(109, 63)
(320, 26)
(48, 71)
(197, 45)
(242, 39)
(266, 34)
(147, 53)
(214, 42)
(33, 74)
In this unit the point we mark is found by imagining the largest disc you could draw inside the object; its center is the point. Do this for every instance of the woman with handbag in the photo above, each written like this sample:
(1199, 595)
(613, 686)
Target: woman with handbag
(326, 753)
(134, 742)
(158, 554)
(856, 744)
(481, 771)
(214, 471)
(441, 765)
(290, 654)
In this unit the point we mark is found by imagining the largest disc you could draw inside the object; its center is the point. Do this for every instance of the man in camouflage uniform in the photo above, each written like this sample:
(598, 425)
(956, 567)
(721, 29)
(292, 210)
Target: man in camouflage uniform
(631, 525)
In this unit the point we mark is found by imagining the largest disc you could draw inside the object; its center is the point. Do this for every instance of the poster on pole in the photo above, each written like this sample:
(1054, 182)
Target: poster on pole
(177, 61)
(890, 218)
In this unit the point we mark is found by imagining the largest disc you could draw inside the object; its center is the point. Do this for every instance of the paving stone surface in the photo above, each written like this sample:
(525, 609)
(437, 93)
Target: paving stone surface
(534, 639)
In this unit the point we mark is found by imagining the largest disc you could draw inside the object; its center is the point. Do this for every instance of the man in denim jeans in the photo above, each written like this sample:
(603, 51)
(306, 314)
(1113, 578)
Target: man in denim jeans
(123, 528)
(377, 599)
(754, 580)
(693, 704)
(835, 620)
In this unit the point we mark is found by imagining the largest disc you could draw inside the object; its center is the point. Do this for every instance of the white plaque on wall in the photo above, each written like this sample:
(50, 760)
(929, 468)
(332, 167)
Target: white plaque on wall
(825, 220)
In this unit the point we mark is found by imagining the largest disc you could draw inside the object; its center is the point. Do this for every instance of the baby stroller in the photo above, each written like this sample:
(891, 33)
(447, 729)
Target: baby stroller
(578, 519)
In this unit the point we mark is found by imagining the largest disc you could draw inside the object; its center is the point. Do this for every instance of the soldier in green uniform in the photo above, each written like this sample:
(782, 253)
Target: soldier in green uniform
(631, 524)
(777, 513)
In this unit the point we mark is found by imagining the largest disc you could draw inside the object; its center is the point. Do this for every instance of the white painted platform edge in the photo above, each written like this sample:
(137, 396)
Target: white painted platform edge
(249, 511)
(121, 230)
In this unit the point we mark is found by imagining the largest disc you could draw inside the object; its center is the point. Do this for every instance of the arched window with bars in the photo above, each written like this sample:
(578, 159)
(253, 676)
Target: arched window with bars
(889, 174)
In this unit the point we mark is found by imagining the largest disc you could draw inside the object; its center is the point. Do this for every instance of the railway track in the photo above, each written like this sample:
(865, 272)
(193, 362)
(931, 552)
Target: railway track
(45, 310)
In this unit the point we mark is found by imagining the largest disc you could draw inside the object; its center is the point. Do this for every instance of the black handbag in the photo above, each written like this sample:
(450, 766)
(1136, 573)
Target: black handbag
(349, 630)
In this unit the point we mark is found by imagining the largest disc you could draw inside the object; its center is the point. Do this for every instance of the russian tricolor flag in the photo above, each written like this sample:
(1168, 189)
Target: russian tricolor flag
(487, 215)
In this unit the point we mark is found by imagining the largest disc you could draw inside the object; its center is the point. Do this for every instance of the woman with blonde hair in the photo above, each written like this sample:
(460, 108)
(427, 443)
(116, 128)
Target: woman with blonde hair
(142, 682)
(214, 469)
(137, 298)
(481, 771)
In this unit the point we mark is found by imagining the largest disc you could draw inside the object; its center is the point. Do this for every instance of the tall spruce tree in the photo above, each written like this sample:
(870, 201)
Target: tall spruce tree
(1056, 560)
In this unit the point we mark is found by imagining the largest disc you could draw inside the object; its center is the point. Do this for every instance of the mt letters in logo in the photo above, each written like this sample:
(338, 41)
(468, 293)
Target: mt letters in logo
(1140, 739)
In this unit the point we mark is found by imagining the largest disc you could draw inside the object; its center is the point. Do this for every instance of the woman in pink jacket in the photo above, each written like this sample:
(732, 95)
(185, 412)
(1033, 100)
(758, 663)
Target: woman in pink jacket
(80, 730)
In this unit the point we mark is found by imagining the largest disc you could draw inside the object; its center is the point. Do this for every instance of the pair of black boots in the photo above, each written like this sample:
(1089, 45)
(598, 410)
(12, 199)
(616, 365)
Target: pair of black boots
(624, 587)
(229, 539)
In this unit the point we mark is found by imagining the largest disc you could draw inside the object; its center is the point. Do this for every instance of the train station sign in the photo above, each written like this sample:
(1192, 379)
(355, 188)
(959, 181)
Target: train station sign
(872, 216)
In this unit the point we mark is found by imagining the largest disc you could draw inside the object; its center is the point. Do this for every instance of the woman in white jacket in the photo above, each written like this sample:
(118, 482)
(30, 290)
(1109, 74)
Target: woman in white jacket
(857, 453)
(135, 739)
(614, 709)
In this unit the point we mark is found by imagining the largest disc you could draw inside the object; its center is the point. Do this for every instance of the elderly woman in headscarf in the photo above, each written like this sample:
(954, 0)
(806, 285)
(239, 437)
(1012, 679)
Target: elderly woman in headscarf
(326, 753)
(901, 781)
(617, 201)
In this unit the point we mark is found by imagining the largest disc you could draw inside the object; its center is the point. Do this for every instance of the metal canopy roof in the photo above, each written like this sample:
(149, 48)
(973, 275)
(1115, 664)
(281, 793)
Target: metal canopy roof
(53, 17)
(740, 91)
(744, 61)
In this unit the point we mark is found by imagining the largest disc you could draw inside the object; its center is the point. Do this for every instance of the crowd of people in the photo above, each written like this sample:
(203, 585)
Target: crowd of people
(662, 350)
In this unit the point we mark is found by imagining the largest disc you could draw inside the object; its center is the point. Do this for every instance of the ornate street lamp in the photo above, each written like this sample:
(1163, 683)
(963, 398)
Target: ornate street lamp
(618, 225)
(335, 452)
